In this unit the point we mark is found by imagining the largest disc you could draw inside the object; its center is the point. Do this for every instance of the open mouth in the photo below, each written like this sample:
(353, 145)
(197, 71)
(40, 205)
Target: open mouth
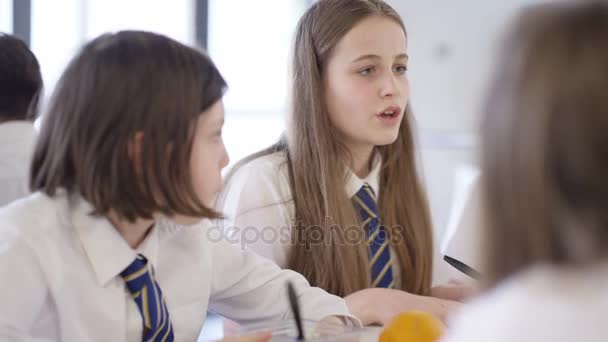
(389, 114)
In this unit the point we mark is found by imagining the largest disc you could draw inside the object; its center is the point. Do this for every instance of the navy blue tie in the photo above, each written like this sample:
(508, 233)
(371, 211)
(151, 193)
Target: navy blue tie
(147, 294)
(379, 247)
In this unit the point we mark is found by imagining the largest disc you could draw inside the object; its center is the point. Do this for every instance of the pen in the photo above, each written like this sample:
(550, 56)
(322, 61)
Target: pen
(295, 309)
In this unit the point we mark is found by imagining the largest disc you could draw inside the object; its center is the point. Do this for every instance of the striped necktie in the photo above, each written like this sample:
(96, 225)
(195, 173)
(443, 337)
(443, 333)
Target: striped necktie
(149, 298)
(379, 250)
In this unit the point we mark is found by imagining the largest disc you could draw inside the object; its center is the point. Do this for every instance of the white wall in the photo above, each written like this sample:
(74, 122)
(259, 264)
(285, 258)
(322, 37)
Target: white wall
(451, 45)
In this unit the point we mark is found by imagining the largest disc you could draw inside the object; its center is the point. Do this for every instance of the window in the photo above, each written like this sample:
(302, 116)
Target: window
(6, 16)
(55, 41)
(171, 18)
(253, 55)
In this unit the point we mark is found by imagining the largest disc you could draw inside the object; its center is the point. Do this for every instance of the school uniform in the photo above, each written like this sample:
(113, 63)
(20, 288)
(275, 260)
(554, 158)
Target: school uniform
(259, 209)
(545, 303)
(17, 140)
(62, 277)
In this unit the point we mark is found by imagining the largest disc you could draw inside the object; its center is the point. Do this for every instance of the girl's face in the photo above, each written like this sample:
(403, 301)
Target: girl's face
(366, 85)
(207, 160)
(209, 155)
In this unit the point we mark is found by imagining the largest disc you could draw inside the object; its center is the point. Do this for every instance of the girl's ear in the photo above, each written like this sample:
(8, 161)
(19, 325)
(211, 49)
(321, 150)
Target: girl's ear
(134, 149)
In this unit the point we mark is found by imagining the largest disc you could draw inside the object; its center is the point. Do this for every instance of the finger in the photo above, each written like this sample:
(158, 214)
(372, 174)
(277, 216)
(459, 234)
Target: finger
(455, 281)
(262, 337)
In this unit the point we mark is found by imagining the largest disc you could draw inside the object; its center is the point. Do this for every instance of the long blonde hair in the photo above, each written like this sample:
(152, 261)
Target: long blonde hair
(324, 215)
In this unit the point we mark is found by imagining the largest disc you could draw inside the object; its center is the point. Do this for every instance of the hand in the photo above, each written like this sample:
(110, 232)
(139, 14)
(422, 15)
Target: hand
(261, 337)
(380, 306)
(331, 325)
(230, 326)
(454, 290)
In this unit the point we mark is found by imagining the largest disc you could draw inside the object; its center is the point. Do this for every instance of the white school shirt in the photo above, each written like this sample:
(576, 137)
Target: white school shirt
(60, 277)
(542, 304)
(259, 210)
(17, 140)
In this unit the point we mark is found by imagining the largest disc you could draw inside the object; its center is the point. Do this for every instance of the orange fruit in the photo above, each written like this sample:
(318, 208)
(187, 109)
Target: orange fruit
(413, 326)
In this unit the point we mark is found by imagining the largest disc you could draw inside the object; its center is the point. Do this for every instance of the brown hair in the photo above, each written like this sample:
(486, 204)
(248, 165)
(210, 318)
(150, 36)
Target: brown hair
(120, 85)
(317, 164)
(545, 146)
(20, 80)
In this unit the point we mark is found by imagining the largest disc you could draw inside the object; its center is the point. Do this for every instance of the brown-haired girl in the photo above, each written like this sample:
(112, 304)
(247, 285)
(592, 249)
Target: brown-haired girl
(133, 137)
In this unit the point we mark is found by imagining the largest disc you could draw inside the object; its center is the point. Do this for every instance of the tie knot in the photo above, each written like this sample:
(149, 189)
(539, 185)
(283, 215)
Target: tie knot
(366, 193)
(365, 202)
(136, 269)
(367, 188)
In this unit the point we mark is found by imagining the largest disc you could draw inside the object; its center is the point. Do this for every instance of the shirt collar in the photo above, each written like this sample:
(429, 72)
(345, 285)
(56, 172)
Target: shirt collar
(354, 183)
(107, 251)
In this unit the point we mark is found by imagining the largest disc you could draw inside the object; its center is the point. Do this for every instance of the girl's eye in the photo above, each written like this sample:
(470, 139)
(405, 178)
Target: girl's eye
(400, 69)
(366, 71)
